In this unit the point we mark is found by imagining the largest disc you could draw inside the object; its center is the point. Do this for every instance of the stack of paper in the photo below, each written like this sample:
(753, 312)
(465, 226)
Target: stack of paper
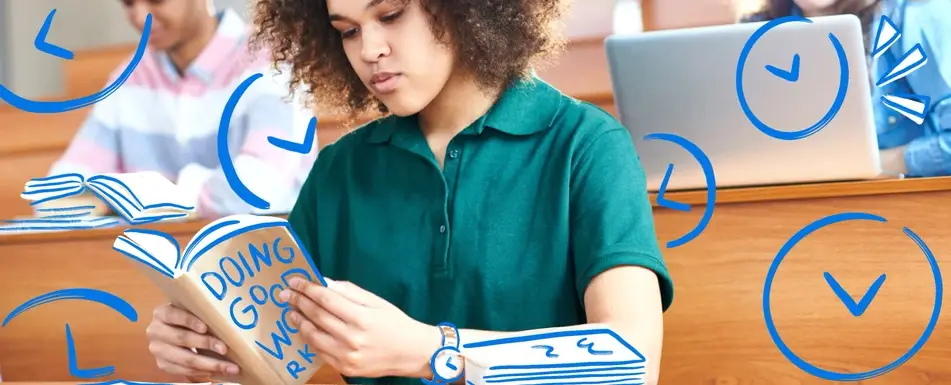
(583, 354)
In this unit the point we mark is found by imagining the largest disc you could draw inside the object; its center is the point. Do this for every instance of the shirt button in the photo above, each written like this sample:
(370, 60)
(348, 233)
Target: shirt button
(891, 119)
(454, 153)
(442, 229)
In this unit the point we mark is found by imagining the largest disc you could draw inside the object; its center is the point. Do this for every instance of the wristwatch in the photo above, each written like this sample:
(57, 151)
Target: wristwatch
(446, 363)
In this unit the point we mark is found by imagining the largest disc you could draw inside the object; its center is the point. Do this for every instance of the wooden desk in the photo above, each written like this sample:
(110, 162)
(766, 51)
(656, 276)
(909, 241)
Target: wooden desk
(715, 331)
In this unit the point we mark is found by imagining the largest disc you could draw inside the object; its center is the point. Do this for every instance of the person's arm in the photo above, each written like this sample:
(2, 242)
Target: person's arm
(266, 170)
(929, 23)
(620, 273)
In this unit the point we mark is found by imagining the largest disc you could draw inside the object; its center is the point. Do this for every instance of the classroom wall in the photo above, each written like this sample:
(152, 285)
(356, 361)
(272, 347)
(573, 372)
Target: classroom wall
(34, 74)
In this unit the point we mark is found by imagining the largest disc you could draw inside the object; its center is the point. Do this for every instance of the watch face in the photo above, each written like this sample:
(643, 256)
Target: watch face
(446, 364)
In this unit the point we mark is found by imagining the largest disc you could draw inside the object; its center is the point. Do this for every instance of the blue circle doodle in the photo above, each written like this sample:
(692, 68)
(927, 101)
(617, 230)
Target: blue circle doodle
(52, 107)
(837, 376)
(224, 156)
(708, 173)
(836, 103)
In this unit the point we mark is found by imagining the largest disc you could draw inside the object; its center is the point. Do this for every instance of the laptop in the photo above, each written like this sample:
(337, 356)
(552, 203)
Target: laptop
(684, 82)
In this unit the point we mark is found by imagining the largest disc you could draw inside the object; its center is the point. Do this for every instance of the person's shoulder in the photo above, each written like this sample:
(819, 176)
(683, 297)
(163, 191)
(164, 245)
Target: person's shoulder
(349, 143)
(585, 122)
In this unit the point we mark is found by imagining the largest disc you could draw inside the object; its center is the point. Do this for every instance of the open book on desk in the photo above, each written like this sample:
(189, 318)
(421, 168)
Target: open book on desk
(230, 275)
(139, 197)
(581, 354)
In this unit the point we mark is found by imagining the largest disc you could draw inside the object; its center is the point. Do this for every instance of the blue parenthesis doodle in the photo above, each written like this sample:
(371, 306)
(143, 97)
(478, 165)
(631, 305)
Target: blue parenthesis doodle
(836, 376)
(224, 156)
(836, 103)
(53, 107)
(708, 173)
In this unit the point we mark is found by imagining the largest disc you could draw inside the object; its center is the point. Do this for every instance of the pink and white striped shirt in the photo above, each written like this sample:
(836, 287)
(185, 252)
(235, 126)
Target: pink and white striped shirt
(161, 121)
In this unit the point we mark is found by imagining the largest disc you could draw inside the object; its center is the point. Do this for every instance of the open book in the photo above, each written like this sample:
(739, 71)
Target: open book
(140, 197)
(581, 354)
(230, 275)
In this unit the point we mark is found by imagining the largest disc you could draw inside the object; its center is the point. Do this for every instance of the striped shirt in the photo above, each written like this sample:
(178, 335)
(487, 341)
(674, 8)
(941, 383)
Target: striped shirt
(166, 122)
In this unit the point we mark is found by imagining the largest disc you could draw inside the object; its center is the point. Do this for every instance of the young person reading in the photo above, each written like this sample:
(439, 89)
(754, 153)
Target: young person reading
(165, 117)
(486, 198)
(908, 147)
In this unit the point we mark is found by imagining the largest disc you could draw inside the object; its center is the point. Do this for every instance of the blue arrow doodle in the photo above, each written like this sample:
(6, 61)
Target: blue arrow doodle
(300, 148)
(859, 308)
(92, 295)
(224, 156)
(53, 107)
(708, 173)
(792, 75)
(663, 202)
(48, 48)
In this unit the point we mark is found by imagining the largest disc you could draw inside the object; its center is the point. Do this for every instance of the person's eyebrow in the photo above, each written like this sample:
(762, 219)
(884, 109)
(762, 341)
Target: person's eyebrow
(371, 4)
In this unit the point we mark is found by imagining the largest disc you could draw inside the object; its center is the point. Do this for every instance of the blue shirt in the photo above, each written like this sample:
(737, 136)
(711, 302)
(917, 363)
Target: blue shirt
(928, 23)
(928, 145)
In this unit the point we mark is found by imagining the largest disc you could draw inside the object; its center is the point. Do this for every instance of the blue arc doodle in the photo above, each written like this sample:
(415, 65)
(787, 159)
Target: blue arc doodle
(92, 295)
(708, 173)
(828, 374)
(53, 107)
(224, 156)
(836, 103)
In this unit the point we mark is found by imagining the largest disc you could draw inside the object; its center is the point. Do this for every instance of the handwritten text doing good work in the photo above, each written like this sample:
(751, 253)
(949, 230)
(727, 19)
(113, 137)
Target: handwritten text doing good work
(248, 294)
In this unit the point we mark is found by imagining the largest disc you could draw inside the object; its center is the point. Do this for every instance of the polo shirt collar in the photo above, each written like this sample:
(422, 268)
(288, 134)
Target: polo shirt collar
(527, 106)
(227, 37)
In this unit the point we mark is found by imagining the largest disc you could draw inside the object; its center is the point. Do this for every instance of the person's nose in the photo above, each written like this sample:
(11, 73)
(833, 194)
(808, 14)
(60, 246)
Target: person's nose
(375, 45)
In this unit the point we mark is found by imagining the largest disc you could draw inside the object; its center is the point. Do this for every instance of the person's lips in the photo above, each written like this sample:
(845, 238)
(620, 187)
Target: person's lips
(384, 82)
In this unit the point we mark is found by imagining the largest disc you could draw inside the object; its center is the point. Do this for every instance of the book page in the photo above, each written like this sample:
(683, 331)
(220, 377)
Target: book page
(162, 247)
(218, 230)
(148, 191)
(583, 346)
(51, 188)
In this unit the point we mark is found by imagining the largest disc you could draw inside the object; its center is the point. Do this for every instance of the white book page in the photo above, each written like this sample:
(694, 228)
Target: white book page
(576, 347)
(219, 229)
(148, 189)
(165, 252)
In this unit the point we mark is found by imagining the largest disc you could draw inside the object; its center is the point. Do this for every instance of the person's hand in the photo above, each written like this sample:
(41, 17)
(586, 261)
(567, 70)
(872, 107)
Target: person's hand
(359, 333)
(174, 333)
(893, 161)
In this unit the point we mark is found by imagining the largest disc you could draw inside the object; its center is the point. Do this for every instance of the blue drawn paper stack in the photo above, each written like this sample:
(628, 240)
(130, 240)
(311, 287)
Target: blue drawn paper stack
(582, 354)
(137, 198)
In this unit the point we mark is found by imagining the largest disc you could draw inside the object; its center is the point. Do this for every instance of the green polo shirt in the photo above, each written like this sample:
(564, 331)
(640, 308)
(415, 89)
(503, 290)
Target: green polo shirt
(536, 198)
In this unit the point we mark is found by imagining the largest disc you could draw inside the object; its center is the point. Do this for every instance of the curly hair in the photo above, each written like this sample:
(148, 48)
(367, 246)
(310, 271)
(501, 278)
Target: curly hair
(495, 41)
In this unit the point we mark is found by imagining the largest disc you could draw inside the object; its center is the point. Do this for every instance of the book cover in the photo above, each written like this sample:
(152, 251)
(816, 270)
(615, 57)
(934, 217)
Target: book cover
(588, 353)
(230, 275)
(138, 197)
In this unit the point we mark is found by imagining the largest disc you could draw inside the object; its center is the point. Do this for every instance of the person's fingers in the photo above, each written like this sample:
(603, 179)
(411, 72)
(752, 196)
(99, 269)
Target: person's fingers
(172, 315)
(322, 343)
(306, 307)
(178, 336)
(176, 356)
(171, 368)
(348, 311)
